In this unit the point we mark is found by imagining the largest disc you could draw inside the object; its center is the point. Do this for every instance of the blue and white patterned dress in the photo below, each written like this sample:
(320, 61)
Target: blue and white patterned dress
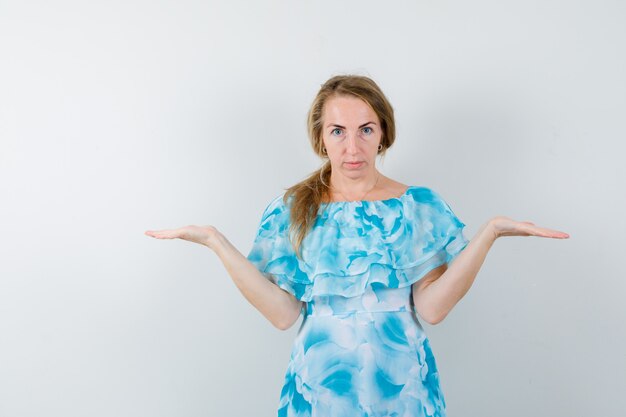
(360, 350)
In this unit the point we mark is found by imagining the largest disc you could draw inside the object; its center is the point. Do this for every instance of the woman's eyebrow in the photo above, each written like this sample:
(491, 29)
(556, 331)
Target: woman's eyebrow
(343, 127)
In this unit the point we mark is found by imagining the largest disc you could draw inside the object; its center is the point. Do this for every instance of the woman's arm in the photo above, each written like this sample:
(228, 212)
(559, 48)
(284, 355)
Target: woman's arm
(437, 292)
(278, 306)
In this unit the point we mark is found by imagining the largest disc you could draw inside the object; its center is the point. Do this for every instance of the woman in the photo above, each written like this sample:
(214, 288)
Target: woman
(358, 254)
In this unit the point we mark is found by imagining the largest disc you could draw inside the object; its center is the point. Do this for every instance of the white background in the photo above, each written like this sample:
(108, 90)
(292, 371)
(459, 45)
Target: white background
(123, 116)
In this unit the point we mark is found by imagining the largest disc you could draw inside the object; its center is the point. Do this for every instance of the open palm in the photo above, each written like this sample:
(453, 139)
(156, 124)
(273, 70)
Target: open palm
(505, 226)
(195, 234)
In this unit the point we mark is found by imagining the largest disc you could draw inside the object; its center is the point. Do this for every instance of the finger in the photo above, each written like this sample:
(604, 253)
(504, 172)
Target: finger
(559, 235)
(556, 233)
(162, 234)
(550, 233)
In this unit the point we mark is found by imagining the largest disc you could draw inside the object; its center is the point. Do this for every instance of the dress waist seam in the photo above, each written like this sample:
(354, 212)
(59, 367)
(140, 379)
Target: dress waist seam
(353, 312)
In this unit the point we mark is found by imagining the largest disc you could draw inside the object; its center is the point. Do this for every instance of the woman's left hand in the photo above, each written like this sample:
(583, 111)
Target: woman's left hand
(505, 226)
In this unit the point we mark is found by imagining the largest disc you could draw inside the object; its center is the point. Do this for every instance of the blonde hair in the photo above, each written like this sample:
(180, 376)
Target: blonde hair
(309, 194)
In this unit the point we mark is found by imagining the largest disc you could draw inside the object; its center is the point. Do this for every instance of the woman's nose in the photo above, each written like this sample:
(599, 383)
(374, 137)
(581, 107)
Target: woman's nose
(351, 143)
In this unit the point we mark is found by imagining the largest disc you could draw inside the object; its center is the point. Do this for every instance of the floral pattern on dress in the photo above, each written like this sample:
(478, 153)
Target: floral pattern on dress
(360, 350)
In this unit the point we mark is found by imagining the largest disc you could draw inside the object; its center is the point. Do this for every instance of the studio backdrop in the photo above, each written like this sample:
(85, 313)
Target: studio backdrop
(121, 117)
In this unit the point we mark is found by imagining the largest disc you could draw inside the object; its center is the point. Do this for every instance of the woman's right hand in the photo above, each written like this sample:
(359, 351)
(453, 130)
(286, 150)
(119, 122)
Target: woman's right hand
(505, 226)
(277, 305)
(203, 235)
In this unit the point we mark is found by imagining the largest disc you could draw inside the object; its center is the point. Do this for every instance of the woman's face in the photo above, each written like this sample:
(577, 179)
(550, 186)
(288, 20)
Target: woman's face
(351, 134)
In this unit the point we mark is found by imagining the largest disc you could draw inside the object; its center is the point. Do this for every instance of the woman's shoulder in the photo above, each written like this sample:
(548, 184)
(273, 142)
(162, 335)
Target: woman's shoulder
(417, 193)
(276, 214)
(389, 189)
(420, 193)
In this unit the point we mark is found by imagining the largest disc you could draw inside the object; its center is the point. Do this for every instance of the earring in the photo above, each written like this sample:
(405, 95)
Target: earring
(380, 147)
(324, 150)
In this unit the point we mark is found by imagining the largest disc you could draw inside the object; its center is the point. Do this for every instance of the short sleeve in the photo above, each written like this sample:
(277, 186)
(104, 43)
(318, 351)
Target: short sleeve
(270, 229)
(447, 230)
(272, 253)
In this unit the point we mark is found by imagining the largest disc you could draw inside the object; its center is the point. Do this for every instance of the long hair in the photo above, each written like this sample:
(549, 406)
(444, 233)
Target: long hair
(309, 194)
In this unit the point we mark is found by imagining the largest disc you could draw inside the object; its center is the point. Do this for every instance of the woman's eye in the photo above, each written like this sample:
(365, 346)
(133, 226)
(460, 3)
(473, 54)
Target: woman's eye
(367, 130)
(336, 132)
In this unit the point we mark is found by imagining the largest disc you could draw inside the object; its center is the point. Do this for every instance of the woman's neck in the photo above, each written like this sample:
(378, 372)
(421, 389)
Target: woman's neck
(354, 189)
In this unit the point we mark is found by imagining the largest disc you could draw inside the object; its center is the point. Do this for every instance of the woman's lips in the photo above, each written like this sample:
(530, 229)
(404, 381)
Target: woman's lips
(353, 164)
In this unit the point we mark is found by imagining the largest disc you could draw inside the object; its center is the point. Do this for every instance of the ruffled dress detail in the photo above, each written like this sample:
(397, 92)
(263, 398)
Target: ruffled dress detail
(360, 350)
(408, 236)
